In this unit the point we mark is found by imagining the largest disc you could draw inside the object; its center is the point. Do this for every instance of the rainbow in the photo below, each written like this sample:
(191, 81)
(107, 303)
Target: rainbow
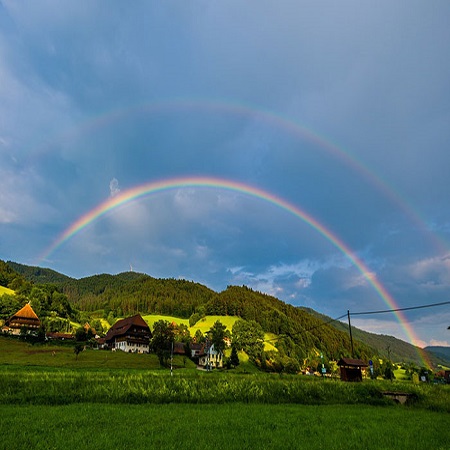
(276, 120)
(155, 187)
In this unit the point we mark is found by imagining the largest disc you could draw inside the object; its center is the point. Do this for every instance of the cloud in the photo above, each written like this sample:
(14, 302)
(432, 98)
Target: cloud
(90, 97)
(439, 343)
(114, 188)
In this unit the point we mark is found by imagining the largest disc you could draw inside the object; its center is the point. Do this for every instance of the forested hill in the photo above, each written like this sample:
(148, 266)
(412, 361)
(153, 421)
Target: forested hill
(387, 346)
(38, 275)
(128, 293)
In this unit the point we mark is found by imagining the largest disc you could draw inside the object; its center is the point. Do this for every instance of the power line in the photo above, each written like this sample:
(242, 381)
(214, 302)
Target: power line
(357, 314)
(399, 309)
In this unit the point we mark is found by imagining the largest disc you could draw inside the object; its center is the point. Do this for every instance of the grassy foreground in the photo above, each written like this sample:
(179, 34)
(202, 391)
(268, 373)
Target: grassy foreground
(228, 426)
(49, 399)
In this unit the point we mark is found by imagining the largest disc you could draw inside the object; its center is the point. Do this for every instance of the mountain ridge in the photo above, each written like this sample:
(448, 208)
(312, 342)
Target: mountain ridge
(303, 328)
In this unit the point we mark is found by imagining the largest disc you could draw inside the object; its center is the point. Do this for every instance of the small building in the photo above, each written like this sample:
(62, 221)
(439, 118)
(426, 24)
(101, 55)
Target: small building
(130, 335)
(351, 369)
(447, 376)
(196, 349)
(24, 319)
(60, 336)
(179, 348)
(210, 358)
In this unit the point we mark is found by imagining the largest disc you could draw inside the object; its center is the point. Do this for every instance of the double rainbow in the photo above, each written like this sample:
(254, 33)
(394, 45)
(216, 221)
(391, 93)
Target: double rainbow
(155, 187)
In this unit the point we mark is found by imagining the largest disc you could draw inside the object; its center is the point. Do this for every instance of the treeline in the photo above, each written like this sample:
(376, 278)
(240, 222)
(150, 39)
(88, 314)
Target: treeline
(47, 300)
(38, 275)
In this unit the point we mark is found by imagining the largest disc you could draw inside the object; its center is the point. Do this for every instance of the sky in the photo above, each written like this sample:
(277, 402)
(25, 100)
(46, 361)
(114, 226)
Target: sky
(301, 148)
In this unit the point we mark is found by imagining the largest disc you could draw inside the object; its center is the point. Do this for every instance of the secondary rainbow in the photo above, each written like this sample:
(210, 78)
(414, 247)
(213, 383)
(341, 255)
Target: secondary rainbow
(155, 187)
(274, 119)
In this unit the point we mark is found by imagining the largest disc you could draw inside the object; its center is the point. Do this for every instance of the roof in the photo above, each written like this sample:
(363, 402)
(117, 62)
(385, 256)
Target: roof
(24, 317)
(178, 348)
(351, 362)
(58, 335)
(26, 312)
(122, 326)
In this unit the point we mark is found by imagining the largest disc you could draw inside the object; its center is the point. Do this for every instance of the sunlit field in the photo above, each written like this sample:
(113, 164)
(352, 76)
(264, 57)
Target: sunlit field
(114, 399)
(5, 290)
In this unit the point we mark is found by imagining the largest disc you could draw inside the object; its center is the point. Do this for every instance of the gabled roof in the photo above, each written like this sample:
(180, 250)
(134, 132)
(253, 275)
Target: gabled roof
(351, 362)
(178, 348)
(122, 326)
(24, 317)
(196, 346)
(26, 313)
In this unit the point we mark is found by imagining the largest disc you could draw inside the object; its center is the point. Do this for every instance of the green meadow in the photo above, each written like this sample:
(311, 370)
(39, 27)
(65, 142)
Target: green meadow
(205, 324)
(121, 400)
(5, 290)
(225, 426)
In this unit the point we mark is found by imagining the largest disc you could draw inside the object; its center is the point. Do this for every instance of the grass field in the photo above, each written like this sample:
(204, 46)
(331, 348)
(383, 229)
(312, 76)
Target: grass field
(152, 318)
(51, 400)
(207, 322)
(230, 426)
(5, 290)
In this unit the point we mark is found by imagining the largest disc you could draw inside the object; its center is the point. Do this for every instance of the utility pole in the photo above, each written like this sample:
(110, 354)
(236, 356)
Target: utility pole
(350, 330)
(171, 360)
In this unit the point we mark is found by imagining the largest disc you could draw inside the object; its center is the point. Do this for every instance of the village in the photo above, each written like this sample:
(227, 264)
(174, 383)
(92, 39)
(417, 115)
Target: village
(133, 335)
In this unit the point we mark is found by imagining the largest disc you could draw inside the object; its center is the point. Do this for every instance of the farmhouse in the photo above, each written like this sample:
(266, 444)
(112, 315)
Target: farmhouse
(129, 335)
(351, 369)
(24, 319)
(210, 358)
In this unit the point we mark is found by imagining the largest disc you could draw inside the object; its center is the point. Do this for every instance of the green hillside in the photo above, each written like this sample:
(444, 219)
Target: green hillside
(38, 275)
(296, 334)
(5, 290)
(386, 346)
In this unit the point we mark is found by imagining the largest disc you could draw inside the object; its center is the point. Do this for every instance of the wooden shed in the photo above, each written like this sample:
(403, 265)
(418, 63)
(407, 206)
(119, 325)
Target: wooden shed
(351, 369)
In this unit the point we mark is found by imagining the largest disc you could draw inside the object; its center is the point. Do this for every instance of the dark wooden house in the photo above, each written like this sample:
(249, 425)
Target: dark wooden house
(447, 376)
(129, 335)
(351, 369)
(25, 319)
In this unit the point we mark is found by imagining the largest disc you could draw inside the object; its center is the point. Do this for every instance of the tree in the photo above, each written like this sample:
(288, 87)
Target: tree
(81, 335)
(217, 335)
(234, 358)
(388, 371)
(194, 319)
(110, 319)
(248, 336)
(198, 337)
(162, 340)
(9, 305)
(78, 349)
(182, 333)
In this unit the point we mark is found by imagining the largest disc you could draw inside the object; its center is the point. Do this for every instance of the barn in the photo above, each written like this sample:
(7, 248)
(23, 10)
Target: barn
(351, 369)
(24, 319)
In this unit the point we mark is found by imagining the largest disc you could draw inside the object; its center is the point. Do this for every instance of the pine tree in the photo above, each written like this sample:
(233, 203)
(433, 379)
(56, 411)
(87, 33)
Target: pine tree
(234, 358)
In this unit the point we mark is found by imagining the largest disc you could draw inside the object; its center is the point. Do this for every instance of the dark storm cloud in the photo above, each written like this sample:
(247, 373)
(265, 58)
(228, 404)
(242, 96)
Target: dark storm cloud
(371, 80)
